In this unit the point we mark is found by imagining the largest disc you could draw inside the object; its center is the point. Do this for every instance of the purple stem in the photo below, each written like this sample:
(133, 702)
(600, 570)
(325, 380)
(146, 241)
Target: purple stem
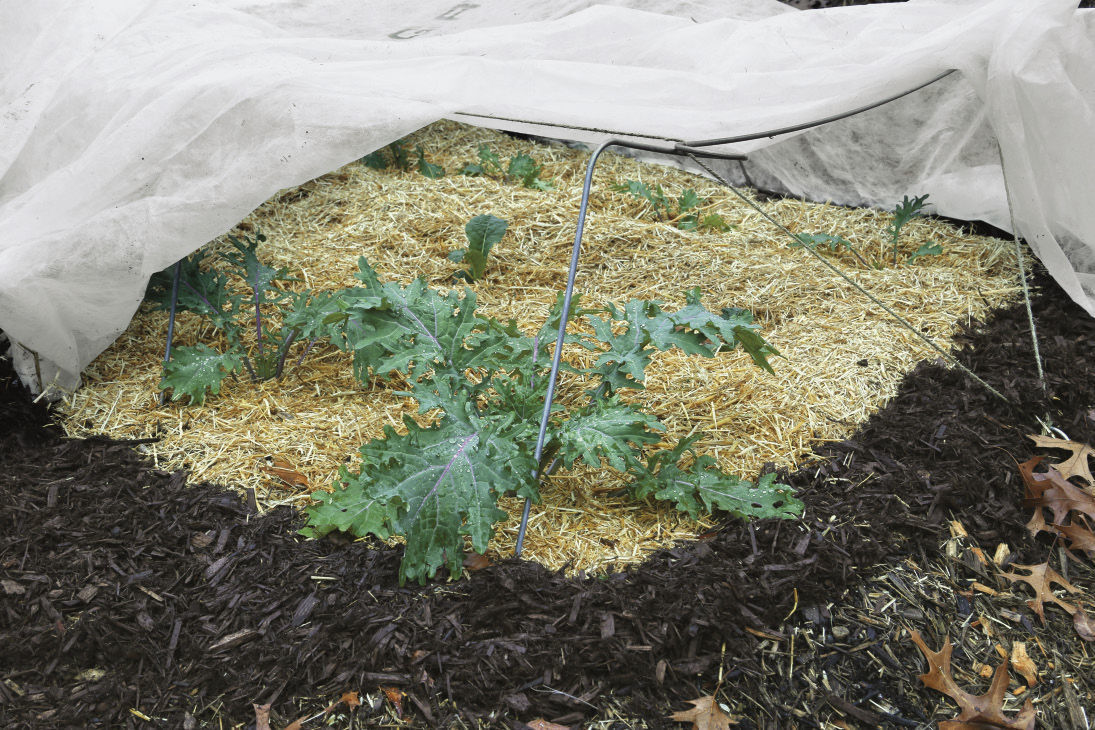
(258, 316)
(251, 370)
(535, 352)
(307, 350)
(201, 296)
(284, 352)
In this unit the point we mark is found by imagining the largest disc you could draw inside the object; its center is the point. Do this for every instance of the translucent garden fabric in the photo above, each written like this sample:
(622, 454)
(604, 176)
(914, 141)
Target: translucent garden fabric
(135, 131)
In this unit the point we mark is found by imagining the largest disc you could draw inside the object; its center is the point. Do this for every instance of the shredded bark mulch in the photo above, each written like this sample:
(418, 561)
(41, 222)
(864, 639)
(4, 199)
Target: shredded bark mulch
(130, 598)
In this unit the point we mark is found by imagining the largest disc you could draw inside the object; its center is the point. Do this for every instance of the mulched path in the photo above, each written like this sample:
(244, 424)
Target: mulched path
(127, 593)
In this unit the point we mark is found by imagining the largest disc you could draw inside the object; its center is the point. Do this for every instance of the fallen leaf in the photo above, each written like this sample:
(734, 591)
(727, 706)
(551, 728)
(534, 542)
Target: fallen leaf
(1080, 538)
(545, 725)
(705, 715)
(12, 588)
(262, 717)
(395, 696)
(1084, 627)
(1041, 579)
(1075, 465)
(1035, 486)
(475, 561)
(350, 699)
(1023, 663)
(978, 711)
(1063, 497)
(283, 469)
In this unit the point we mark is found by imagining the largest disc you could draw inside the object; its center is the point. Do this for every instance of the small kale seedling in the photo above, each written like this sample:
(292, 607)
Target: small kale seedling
(904, 212)
(522, 168)
(428, 169)
(686, 212)
(482, 231)
(925, 249)
(394, 156)
(198, 369)
(835, 243)
(397, 156)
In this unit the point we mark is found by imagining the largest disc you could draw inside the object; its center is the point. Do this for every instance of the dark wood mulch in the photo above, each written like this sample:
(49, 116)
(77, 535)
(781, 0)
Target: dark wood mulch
(128, 593)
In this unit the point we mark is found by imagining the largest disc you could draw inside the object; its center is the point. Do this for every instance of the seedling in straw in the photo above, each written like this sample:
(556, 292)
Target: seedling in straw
(397, 156)
(394, 156)
(428, 169)
(482, 231)
(835, 243)
(522, 168)
(195, 370)
(904, 212)
(686, 212)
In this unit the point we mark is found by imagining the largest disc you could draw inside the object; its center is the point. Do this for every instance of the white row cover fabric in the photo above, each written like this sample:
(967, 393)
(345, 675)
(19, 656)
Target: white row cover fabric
(133, 131)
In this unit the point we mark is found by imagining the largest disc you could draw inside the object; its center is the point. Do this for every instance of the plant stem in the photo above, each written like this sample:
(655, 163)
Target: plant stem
(284, 352)
(535, 353)
(251, 370)
(307, 350)
(258, 316)
(201, 296)
(858, 256)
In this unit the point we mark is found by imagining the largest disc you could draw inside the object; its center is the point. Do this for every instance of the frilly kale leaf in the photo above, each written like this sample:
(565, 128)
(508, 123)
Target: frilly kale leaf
(704, 487)
(433, 485)
(194, 370)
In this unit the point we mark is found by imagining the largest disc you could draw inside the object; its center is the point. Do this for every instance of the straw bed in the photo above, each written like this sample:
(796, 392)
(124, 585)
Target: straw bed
(842, 358)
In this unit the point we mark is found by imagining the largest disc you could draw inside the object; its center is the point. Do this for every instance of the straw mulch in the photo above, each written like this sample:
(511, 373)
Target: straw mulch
(842, 359)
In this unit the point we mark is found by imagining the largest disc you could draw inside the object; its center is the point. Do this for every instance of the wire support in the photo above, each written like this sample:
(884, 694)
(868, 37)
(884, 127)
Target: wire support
(1022, 274)
(904, 322)
(171, 321)
(557, 356)
(682, 145)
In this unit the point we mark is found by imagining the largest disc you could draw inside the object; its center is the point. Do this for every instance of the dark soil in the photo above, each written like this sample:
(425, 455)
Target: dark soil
(191, 607)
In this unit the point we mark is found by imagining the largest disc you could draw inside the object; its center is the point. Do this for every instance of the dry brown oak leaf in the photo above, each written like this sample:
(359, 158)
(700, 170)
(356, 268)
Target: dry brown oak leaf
(705, 715)
(978, 711)
(1036, 486)
(1023, 664)
(1084, 627)
(1050, 489)
(545, 725)
(1080, 538)
(262, 716)
(1075, 465)
(1041, 579)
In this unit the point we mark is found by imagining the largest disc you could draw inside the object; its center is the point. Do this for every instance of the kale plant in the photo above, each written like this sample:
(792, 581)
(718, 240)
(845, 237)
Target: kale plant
(903, 212)
(397, 156)
(522, 168)
(686, 212)
(482, 232)
(480, 386)
(195, 370)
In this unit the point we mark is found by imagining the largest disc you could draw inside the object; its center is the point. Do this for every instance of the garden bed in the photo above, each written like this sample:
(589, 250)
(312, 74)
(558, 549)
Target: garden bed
(842, 357)
(138, 594)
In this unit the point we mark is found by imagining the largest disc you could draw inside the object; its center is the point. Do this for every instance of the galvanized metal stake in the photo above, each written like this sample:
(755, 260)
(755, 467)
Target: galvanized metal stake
(171, 321)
